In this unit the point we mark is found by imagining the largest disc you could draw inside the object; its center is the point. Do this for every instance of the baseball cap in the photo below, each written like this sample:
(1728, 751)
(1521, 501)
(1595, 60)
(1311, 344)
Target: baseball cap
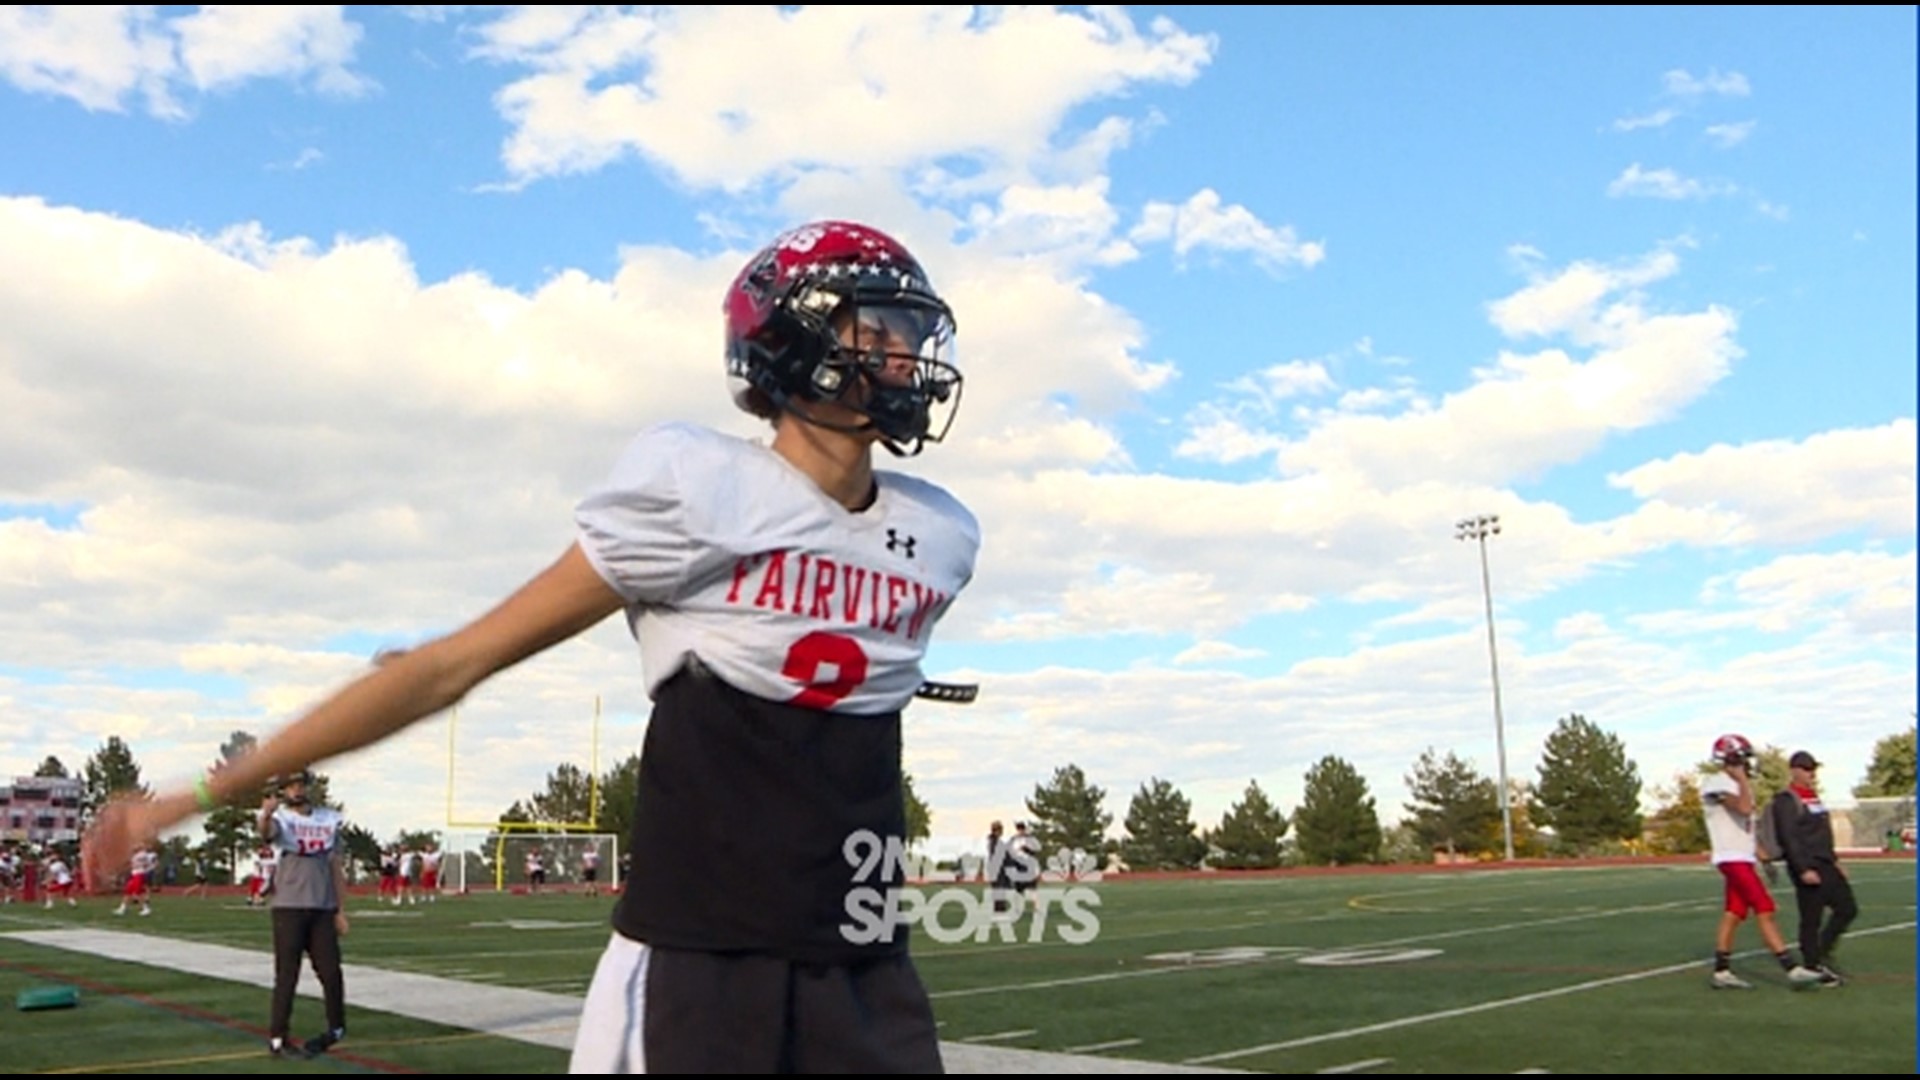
(1802, 760)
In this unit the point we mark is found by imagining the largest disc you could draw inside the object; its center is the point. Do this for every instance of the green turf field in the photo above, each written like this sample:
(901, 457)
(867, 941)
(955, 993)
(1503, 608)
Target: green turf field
(1561, 970)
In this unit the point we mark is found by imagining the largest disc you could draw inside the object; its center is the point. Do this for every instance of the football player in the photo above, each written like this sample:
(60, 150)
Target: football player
(1726, 798)
(139, 881)
(783, 595)
(309, 910)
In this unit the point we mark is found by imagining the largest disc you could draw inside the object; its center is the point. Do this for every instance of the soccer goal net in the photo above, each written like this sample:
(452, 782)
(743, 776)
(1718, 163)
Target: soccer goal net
(1880, 823)
(504, 860)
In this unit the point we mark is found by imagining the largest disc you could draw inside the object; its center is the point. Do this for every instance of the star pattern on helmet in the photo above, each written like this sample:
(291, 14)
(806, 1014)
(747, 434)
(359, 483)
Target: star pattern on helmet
(879, 267)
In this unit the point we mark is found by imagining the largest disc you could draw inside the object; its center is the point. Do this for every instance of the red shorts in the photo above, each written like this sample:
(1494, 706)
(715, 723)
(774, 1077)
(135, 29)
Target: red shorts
(1744, 891)
(430, 879)
(136, 885)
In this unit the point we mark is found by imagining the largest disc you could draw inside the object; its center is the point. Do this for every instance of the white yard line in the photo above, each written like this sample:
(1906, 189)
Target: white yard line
(1485, 1006)
(1356, 1066)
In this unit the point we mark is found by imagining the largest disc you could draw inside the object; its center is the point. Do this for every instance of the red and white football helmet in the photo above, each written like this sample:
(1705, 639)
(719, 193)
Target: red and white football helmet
(1733, 750)
(785, 315)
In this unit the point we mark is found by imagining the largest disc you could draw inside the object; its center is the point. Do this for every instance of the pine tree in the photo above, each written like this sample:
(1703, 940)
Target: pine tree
(1068, 813)
(1160, 830)
(919, 814)
(1589, 791)
(1336, 823)
(1453, 806)
(109, 772)
(1249, 834)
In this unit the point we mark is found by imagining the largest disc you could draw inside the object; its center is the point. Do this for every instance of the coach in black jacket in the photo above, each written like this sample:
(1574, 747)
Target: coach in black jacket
(1805, 832)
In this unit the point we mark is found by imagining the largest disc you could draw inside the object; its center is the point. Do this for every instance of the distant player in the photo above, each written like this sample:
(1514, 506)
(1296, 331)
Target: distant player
(590, 870)
(260, 885)
(199, 886)
(409, 876)
(1727, 799)
(430, 873)
(9, 874)
(390, 875)
(140, 881)
(59, 877)
(536, 870)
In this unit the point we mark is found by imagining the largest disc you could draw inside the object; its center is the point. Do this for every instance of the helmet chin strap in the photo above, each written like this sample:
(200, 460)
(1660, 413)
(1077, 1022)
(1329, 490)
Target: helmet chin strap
(789, 404)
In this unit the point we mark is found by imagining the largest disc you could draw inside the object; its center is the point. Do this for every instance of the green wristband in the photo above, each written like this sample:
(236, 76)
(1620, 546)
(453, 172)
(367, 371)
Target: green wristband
(203, 795)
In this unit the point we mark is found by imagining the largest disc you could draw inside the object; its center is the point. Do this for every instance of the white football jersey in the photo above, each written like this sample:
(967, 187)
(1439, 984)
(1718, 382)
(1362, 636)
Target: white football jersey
(1730, 833)
(724, 551)
(311, 833)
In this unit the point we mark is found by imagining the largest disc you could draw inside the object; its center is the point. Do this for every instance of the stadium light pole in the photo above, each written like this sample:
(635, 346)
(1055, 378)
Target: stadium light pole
(1479, 528)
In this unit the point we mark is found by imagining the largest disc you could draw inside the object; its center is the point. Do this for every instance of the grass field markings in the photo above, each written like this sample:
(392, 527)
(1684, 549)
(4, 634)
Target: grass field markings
(964, 949)
(524, 1016)
(1355, 1066)
(1470, 931)
(1289, 951)
(509, 1012)
(1111, 1044)
(193, 1014)
(1489, 1006)
(153, 1064)
(1085, 980)
(1000, 1036)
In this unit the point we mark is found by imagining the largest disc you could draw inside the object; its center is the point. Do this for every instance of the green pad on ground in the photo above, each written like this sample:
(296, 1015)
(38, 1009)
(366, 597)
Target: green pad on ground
(47, 997)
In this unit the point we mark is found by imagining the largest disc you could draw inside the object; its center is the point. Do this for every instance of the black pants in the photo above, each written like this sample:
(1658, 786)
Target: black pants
(309, 932)
(1833, 892)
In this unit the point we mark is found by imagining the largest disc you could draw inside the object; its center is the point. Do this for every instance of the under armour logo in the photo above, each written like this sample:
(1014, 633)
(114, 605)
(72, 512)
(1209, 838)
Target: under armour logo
(895, 542)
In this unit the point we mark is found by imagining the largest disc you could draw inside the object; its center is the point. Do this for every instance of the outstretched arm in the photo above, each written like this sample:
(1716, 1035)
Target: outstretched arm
(562, 601)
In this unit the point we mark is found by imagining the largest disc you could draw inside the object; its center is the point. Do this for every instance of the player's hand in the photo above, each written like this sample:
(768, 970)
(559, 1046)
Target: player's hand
(1809, 877)
(340, 922)
(120, 828)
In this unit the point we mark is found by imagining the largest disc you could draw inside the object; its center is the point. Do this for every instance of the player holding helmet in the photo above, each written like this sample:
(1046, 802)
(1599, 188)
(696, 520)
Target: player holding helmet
(783, 597)
(1727, 799)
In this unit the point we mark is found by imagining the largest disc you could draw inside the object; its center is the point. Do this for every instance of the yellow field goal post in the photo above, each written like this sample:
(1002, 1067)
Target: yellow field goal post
(493, 853)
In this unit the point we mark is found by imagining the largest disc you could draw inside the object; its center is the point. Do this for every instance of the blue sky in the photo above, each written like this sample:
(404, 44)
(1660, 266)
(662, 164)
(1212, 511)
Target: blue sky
(315, 322)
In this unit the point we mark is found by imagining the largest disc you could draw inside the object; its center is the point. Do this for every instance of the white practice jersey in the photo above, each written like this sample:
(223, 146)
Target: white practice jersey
(1731, 833)
(724, 551)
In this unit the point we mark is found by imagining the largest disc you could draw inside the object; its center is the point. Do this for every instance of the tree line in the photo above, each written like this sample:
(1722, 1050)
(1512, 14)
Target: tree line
(1584, 800)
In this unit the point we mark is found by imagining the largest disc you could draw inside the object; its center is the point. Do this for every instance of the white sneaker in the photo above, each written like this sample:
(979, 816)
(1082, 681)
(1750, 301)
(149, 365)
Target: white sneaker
(121, 910)
(1727, 980)
(1802, 974)
(146, 911)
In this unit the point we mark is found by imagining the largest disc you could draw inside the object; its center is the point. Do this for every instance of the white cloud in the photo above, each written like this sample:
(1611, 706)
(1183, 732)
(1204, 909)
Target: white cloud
(1215, 652)
(1528, 412)
(1569, 300)
(1214, 436)
(225, 44)
(1295, 378)
(855, 88)
(97, 56)
(1201, 223)
(102, 56)
(1657, 118)
(1794, 491)
(1681, 84)
(1636, 182)
(1728, 135)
